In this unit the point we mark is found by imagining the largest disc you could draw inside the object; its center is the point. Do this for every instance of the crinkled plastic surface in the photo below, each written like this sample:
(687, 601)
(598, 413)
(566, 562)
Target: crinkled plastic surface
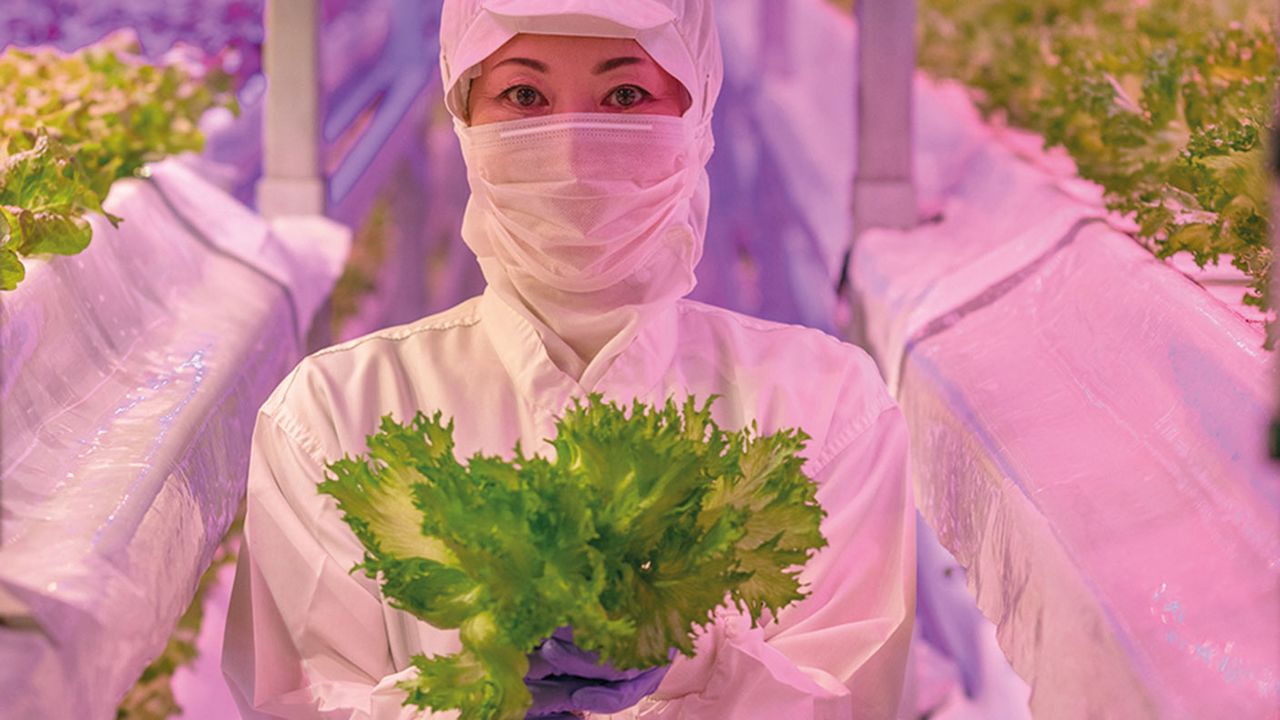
(132, 377)
(1088, 439)
(999, 213)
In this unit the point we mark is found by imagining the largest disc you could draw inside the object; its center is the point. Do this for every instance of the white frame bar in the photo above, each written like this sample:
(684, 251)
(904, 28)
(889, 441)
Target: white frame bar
(293, 181)
(884, 188)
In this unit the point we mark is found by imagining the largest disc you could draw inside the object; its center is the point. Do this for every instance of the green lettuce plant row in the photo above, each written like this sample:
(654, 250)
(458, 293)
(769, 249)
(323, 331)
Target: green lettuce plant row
(73, 124)
(642, 525)
(1166, 104)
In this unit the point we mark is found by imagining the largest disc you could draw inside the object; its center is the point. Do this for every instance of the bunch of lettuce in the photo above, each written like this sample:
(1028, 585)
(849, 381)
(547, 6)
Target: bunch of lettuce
(639, 528)
(73, 124)
(1166, 104)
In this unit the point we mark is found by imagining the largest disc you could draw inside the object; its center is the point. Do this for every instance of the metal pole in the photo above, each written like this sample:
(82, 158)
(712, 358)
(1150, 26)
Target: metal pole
(884, 190)
(293, 180)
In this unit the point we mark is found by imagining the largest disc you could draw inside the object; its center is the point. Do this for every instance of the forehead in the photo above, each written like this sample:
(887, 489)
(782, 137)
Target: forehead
(568, 49)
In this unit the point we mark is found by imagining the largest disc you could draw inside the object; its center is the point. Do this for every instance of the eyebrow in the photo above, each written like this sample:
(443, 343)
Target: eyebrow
(527, 62)
(602, 68)
(616, 63)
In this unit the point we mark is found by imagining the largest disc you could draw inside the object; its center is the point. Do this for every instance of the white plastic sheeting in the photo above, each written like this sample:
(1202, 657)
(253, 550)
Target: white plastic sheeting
(1088, 432)
(132, 374)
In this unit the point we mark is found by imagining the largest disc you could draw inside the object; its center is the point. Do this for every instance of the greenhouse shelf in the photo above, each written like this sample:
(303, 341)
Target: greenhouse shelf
(1088, 436)
(132, 377)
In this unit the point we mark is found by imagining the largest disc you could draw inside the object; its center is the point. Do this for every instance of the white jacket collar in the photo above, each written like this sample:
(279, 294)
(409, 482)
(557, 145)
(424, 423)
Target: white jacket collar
(629, 366)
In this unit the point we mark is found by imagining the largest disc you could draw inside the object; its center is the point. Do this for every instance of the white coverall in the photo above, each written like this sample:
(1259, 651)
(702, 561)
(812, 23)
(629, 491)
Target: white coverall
(306, 638)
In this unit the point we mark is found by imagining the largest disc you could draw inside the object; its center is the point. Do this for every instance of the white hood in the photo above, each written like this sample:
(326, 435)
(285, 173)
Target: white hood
(583, 330)
(680, 35)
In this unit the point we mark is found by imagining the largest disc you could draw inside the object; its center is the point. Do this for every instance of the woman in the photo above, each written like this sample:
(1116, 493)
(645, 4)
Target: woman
(585, 126)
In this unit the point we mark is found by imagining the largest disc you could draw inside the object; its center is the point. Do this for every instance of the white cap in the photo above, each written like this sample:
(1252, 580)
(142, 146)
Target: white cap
(680, 35)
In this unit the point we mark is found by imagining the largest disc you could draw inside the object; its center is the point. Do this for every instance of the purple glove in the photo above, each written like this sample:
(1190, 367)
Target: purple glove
(566, 680)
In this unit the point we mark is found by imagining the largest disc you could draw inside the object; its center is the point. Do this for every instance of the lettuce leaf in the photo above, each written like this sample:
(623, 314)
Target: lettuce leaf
(11, 269)
(642, 525)
(76, 123)
(1166, 104)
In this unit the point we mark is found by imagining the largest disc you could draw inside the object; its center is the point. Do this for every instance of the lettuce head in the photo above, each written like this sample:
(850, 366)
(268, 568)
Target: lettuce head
(639, 528)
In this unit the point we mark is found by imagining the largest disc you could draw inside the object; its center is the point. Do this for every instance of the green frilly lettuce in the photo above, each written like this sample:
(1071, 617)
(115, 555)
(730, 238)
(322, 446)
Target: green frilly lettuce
(640, 527)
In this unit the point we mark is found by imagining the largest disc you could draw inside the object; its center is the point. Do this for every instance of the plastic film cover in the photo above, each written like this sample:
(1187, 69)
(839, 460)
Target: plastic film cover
(1088, 440)
(1090, 444)
(132, 374)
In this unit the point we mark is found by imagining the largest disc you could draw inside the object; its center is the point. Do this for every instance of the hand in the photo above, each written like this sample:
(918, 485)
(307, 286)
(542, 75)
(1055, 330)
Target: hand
(566, 680)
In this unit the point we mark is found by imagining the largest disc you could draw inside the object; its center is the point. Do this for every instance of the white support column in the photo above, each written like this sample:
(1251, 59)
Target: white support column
(884, 190)
(293, 180)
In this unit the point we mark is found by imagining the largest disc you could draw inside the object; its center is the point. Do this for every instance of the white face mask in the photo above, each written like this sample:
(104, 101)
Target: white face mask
(585, 202)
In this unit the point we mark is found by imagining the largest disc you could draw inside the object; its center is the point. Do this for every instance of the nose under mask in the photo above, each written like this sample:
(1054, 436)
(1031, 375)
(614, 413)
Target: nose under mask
(583, 202)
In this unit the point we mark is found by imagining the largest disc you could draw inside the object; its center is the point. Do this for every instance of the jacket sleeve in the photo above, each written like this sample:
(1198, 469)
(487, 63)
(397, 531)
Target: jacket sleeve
(841, 652)
(305, 637)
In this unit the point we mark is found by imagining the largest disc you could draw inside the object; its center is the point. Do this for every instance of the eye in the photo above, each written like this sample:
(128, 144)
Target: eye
(524, 96)
(626, 96)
